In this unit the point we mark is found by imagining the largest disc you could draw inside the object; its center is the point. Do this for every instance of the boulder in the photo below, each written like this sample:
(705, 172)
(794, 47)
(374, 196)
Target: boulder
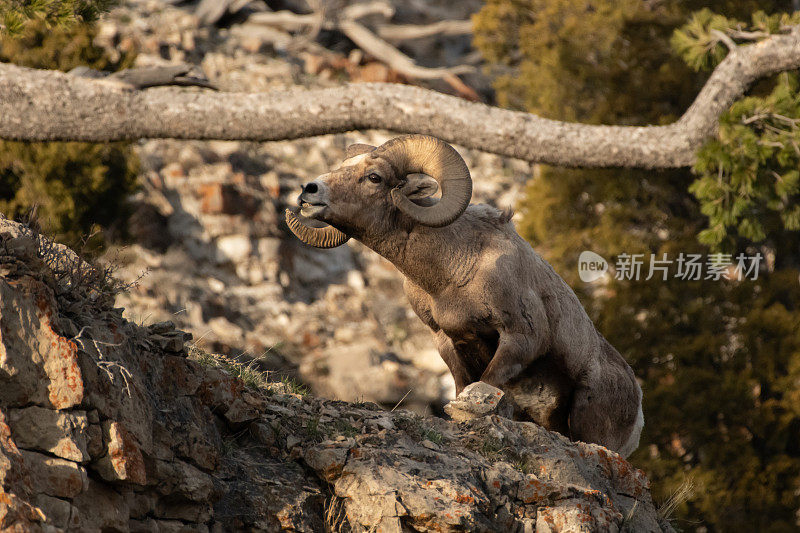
(476, 400)
(60, 433)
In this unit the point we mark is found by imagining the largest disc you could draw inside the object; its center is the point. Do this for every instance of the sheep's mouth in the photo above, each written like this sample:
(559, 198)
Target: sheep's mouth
(310, 210)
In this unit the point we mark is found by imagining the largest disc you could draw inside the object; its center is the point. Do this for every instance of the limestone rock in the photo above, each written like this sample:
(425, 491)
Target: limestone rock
(52, 377)
(54, 477)
(476, 400)
(101, 508)
(60, 433)
(57, 512)
(17, 508)
(123, 459)
(234, 248)
(182, 479)
(360, 369)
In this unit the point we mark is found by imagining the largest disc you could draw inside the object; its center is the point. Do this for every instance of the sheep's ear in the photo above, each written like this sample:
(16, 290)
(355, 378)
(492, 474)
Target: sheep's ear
(420, 186)
(357, 149)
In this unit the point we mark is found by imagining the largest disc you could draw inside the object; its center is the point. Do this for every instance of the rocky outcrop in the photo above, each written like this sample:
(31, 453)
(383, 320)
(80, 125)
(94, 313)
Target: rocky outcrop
(106, 425)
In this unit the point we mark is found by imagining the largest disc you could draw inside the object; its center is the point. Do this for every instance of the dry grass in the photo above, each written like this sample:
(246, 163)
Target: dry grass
(678, 497)
(335, 514)
(248, 373)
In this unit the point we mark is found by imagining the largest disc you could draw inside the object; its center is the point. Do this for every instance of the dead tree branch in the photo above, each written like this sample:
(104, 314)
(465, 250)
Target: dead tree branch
(407, 32)
(37, 105)
(365, 39)
(287, 20)
(290, 21)
(145, 77)
(394, 58)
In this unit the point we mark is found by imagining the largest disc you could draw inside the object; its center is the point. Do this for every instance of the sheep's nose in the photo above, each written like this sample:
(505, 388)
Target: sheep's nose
(310, 188)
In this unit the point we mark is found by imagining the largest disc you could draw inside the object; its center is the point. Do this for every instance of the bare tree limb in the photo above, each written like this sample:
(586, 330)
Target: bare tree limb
(211, 11)
(407, 32)
(747, 35)
(381, 8)
(145, 77)
(726, 40)
(394, 58)
(289, 21)
(286, 20)
(367, 41)
(38, 105)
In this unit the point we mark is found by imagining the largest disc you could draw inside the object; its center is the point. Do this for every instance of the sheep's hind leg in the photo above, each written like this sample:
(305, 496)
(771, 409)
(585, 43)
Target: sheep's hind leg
(515, 351)
(608, 415)
(543, 394)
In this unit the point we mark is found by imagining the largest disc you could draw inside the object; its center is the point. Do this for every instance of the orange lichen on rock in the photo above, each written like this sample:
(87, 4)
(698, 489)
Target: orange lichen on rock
(17, 513)
(124, 454)
(626, 477)
(53, 376)
(65, 389)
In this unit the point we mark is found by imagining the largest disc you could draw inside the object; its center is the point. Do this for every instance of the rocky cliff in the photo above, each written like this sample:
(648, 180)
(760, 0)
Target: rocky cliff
(107, 425)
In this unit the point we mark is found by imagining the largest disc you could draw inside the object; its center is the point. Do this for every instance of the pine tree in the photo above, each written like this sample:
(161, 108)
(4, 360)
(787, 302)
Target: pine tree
(719, 360)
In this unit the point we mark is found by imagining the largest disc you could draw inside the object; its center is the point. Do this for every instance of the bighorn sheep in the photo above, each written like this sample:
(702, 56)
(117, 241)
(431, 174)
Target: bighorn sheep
(499, 312)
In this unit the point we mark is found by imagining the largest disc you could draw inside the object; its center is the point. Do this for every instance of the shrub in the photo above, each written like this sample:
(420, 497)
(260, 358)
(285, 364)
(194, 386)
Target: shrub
(76, 188)
(16, 16)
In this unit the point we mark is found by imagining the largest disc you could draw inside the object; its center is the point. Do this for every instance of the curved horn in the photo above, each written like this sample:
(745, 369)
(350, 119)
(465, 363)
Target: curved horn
(423, 154)
(326, 237)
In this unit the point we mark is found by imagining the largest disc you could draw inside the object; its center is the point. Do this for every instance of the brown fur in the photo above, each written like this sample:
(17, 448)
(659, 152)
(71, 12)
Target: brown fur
(498, 311)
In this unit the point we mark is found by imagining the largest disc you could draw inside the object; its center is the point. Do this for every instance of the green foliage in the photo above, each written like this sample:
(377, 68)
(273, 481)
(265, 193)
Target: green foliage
(17, 15)
(582, 60)
(748, 181)
(77, 188)
(491, 448)
(719, 361)
(343, 428)
(504, 30)
(433, 435)
(294, 386)
(699, 41)
(59, 48)
(313, 430)
(748, 176)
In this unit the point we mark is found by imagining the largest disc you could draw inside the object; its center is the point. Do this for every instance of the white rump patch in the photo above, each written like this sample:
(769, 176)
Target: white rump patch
(633, 441)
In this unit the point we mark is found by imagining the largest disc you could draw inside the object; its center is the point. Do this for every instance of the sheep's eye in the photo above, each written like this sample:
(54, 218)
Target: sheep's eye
(374, 178)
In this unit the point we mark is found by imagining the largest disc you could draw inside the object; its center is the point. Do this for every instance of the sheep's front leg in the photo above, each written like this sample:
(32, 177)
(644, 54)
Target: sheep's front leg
(486, 396)
(515, 351)
(451, 358)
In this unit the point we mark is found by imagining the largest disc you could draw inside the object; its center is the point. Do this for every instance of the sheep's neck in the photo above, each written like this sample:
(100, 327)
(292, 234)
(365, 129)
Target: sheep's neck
(433, 260)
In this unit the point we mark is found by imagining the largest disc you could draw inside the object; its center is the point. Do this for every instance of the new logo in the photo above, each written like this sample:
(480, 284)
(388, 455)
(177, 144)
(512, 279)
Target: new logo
(591, 266)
